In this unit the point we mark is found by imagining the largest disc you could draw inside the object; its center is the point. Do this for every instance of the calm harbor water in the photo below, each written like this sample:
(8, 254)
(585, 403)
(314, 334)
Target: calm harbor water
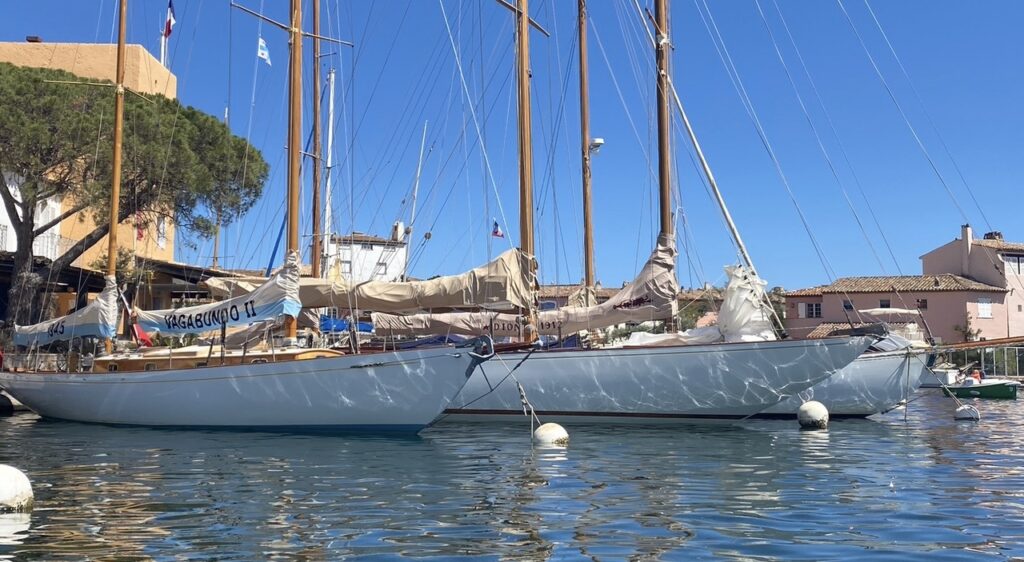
(761, 490)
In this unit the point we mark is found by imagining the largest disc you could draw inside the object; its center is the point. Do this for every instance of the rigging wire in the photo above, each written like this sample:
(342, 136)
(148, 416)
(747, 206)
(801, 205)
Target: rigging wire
(712, 27)
(839, 141)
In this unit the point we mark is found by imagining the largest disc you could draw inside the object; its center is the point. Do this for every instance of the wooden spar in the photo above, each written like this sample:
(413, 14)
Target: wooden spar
(115, 172)
(664, 147)
(998, 342)
(315, 251)
(588, 225)
(294, 140)
(525, 146)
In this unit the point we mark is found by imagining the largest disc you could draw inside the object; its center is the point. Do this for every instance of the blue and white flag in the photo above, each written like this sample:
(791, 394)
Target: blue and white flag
(262, 52)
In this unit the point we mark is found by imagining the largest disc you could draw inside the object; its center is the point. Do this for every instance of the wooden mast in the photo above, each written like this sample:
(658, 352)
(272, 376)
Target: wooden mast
(664, 148)
(317, 155)
(294, 139)
(588, 225)
(115, 172)
(525, 145)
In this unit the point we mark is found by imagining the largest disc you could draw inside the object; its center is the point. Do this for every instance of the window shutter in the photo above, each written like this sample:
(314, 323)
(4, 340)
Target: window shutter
(801, 310)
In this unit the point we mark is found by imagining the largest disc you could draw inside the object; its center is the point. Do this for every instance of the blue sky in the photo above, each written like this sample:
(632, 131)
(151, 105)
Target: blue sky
(963, 59)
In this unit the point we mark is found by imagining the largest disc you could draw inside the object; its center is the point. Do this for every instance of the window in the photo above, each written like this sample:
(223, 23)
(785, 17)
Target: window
(150, 366)
(112, 367)
(984, 307)
(382, 268)
(884, 303)
(922, 304)
(346, 268)
(1014, 264)
(161, 232)
(366, 246)
(847, 304)
(814, 310)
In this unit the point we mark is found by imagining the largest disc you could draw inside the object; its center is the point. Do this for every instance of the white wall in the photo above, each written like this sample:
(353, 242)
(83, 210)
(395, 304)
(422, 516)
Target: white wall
(47, 245)
(368, 261)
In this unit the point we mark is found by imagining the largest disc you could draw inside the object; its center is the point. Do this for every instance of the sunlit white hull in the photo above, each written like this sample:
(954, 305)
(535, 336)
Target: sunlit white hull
(652, 385)
(874, 383)
(398, 391)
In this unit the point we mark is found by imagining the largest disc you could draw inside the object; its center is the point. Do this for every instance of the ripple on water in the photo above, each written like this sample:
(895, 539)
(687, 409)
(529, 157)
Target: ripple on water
(879, 488)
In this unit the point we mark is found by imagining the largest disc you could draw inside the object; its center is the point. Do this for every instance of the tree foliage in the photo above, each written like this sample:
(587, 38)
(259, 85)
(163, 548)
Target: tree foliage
(56, 140)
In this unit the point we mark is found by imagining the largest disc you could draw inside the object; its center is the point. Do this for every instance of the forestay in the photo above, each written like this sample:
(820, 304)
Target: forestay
(96, 319)
(503, 284)
(276, 297)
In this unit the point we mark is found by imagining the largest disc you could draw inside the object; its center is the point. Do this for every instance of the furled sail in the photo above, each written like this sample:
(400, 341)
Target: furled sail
(503, 284)
(651, 296)
(275, 297)
(458, 323)
(98, 319)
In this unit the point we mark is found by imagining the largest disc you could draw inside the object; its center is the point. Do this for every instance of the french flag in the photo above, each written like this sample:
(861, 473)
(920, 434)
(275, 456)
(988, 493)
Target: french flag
(496, 231)
(169, 23)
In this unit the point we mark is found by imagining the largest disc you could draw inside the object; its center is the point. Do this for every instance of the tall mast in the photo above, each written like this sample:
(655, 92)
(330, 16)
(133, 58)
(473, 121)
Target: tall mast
(317, 154)
(330, 164)
(525, 146)
(588, 225)
(525, 128)
(412, 214)
(115, 172)
(664, 148)
(294, 139)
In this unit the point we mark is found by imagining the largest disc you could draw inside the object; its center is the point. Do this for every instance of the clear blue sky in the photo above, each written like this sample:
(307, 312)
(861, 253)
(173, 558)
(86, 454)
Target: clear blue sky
(964, 59)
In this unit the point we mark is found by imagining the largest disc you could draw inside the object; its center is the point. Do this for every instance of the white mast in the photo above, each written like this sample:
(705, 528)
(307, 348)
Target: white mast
(412, 214)
(326, 263)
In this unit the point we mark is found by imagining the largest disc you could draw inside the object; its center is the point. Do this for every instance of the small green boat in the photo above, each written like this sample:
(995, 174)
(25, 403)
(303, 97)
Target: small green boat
(985, 388)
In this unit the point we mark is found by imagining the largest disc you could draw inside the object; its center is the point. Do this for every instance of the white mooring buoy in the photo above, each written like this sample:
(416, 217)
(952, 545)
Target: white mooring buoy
(967, 412)
(551, 434)
(15, 490)
(812, 415)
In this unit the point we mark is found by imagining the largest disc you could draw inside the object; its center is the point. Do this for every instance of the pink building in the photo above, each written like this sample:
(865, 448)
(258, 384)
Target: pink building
(975, 283)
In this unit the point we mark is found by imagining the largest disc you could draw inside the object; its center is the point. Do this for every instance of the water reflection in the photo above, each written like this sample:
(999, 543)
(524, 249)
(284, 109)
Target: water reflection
(930, 486)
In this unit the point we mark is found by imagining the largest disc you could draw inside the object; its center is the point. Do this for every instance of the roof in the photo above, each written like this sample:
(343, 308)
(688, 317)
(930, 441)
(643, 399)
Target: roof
(909, 283)
(690, 295)
(808, 292)
(1000, 245)
(363, 238)
(182, 271)
(826, 329)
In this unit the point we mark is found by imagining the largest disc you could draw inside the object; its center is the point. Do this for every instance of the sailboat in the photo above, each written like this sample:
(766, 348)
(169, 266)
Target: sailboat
(288, 387)
(677, 377)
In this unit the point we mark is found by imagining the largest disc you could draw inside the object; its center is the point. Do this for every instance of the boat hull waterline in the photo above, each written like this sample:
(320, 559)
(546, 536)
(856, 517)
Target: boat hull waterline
(401, 391)
(651, 385)
(873, 383)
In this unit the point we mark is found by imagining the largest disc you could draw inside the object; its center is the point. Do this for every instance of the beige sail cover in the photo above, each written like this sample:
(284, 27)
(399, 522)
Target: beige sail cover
(458, 323)
(503, 284)
(651, 296)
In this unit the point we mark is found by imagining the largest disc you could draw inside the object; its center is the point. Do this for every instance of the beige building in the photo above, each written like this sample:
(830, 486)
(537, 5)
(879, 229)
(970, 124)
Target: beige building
(969, 282)
(151, 237)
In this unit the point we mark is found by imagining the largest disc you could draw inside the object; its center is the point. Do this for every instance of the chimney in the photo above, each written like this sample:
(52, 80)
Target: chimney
(967, 239)
(994, 235)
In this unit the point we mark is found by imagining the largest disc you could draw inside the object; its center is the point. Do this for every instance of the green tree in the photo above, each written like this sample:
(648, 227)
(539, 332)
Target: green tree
(56, 141)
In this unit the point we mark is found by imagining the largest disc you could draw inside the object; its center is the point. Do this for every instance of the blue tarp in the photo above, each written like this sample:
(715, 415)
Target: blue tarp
(328, 324)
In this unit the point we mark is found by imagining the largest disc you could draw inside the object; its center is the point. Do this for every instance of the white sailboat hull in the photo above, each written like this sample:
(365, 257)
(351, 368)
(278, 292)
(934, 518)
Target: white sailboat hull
(652, 385)
(872, 384)
(397, 391)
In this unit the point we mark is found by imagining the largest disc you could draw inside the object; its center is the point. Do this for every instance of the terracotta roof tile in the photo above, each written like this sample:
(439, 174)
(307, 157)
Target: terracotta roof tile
(909, 283)
(808, 292)
(826, 329)
(1001, 245)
